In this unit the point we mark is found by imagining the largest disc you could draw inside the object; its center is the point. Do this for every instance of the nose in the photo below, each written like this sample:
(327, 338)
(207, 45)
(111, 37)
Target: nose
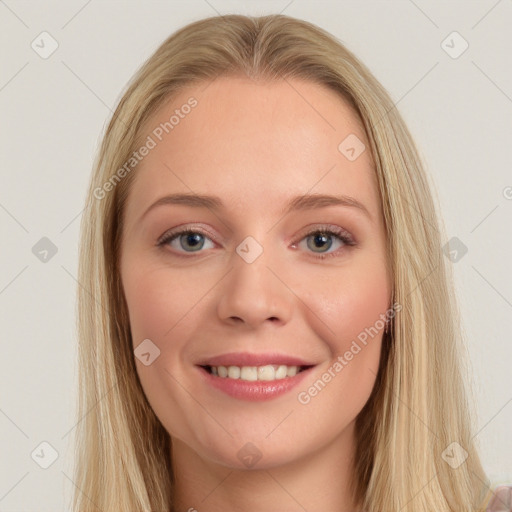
(255, 293)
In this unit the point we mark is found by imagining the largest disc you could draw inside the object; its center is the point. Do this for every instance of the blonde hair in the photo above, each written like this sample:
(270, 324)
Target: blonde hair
(418, 406)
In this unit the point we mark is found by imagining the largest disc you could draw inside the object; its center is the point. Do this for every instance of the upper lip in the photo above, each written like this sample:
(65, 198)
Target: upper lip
(247, 359)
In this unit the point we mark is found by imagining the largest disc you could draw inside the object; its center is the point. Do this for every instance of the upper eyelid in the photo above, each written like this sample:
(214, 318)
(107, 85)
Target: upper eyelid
(178, 231)
(313, 228)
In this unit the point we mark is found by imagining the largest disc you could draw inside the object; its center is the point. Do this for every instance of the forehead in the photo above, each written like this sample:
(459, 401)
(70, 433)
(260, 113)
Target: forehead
(256, 144)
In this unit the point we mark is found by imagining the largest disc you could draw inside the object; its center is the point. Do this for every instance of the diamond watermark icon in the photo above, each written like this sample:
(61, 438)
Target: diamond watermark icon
(44, 249)
(44, 45)
(249, 249)
(249, 454)
(455, 249)
(146, 352)
(44, 455)
(351, 147)
(454, 45)
(454, 455)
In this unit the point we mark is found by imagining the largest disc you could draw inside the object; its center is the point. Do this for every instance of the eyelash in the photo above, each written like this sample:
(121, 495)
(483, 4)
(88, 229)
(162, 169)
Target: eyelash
(339, 233)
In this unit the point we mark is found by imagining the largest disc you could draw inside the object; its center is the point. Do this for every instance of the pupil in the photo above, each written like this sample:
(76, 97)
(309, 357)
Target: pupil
(321, 238)
(196, 239)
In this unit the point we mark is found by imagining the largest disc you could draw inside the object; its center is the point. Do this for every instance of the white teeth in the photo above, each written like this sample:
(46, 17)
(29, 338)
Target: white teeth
(281, 372)
(234, 372)
(291, 371)
(266, 373)
(249, 373)
(253, 373)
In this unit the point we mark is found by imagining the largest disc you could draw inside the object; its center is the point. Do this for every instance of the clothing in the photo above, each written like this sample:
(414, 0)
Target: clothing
(501, 500)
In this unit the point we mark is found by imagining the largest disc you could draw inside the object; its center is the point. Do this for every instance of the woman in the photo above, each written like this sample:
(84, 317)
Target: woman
(261, 373)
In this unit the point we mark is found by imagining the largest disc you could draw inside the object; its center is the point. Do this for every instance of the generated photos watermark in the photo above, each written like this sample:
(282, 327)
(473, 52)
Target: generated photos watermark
(156, 136)
(305, 397)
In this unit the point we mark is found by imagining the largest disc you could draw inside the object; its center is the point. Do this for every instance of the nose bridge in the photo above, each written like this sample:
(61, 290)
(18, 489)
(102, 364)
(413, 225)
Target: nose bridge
(253, 293)
(251, 262)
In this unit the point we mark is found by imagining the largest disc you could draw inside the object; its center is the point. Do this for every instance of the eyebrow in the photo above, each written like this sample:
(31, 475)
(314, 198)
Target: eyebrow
(298, 203)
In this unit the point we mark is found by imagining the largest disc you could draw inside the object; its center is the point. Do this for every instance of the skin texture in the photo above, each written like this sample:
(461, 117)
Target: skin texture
(256, 145)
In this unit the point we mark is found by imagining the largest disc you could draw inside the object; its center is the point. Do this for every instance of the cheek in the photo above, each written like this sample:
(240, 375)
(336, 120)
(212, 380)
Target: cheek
(350, 302)
(160, 309)
(350, 310)
(156, 300)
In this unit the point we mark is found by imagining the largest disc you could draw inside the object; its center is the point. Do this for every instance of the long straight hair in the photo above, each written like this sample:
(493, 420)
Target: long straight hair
(419, 405)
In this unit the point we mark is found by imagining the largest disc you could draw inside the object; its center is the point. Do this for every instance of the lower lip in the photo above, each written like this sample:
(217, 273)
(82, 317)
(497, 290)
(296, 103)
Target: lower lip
(253, 391)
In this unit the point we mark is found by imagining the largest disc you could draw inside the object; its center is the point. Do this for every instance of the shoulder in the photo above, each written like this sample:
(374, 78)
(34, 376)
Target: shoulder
(501, 500)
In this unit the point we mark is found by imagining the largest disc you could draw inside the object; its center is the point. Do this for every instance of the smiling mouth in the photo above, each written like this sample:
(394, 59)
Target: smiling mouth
(255, 373)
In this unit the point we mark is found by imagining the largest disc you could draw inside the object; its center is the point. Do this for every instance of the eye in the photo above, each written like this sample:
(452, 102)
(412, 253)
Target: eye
(319, 240)
(186, 239)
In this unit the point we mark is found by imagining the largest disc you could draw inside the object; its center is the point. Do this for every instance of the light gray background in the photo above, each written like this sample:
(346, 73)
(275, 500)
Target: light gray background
(53, 112)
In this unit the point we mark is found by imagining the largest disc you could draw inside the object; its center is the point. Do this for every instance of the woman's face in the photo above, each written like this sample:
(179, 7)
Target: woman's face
(258, 276)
